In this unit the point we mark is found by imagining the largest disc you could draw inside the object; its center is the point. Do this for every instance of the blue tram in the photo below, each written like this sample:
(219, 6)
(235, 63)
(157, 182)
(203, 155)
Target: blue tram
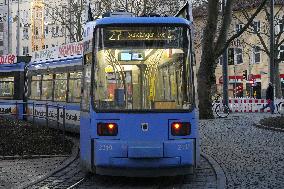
(55, 82)
(138, 114)
(12, 88)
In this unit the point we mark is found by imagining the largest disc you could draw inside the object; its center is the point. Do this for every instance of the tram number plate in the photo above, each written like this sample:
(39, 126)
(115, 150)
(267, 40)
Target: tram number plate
(105, 147)
(183, 146)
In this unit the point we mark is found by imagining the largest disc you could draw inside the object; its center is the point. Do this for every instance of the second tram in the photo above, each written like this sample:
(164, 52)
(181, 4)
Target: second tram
(138, 114)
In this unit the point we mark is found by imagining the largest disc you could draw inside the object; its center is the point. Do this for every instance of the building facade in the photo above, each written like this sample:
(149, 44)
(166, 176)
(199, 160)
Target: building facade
(248, 60)
(32, 25)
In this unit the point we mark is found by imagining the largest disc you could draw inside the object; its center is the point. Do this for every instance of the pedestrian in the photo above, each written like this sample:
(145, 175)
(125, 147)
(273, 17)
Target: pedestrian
(269, 98)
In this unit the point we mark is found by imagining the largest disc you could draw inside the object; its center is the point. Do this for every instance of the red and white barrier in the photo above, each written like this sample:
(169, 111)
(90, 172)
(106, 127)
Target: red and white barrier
(250, 104)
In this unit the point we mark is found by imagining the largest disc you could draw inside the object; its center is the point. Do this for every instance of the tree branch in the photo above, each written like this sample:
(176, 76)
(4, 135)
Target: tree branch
(226, 45)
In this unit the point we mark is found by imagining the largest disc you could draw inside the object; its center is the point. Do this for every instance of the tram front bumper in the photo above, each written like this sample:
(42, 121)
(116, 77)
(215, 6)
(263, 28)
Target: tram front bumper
(122, 154)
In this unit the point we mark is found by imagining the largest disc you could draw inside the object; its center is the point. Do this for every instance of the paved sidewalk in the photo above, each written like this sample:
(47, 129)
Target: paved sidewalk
(18, 172)
(251, 157)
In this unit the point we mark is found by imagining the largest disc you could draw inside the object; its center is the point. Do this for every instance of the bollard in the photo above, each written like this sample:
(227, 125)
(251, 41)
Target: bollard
(64, 128)
(57, 117)
(33, 113)
(17, 112)
(46, 114)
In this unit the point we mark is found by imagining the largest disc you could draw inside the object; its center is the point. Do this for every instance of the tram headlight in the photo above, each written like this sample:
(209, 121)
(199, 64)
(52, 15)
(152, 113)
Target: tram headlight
(180, 128)
(107, 129)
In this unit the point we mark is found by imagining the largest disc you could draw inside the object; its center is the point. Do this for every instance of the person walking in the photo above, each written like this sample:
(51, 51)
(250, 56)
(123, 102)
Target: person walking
(269, 98)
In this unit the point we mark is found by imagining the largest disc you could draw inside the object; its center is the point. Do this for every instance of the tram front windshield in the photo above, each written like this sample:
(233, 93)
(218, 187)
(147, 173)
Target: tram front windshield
(142, 68)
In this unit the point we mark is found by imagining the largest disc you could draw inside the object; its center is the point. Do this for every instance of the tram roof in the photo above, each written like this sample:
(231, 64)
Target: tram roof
(141, 20)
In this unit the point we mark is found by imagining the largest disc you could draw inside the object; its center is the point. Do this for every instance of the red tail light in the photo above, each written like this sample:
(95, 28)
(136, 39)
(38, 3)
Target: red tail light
(107, 129)
(180, 128)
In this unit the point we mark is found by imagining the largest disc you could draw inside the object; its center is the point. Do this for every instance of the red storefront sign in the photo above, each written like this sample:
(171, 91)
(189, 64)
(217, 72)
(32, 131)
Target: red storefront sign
(71, 49)
(7, 59)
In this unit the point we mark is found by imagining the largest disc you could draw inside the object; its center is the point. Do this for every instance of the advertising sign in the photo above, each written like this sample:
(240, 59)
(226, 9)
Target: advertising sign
(55, 53)
(8, 59)
(71, 116)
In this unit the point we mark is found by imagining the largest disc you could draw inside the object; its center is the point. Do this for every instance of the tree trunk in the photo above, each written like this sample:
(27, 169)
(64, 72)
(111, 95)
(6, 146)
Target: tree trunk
(278, 92)
(205, 77)
(204, 80)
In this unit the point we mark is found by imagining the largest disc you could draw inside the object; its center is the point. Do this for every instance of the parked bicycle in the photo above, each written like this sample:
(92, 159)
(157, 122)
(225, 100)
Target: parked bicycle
(279, 107)
(221, 109)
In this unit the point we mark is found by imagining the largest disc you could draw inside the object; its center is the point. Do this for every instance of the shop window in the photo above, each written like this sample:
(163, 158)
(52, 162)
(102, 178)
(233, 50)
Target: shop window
(74, 94)
(35, 87)
(6, 87)
(47, 87)
(60, 87)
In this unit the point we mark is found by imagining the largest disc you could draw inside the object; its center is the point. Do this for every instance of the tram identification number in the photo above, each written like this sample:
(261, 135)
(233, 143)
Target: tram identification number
(105, 147)
(183, 146)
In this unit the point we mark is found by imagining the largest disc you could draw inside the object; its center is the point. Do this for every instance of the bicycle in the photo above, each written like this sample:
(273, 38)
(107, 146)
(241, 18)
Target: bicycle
(221, 109)
(279, 107)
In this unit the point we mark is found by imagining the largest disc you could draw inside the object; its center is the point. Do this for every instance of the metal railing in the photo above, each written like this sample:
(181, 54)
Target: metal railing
(25, 113)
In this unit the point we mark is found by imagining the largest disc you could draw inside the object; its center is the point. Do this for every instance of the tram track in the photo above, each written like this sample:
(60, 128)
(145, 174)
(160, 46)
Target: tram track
(71, 177)
(209, 174)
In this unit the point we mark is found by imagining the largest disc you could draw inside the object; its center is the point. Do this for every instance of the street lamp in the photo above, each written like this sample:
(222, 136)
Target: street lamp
(225, 67)
(272, 42)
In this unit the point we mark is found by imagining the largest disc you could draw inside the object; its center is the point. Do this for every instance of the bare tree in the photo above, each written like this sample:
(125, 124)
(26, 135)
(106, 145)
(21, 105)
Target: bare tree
(70, 15)
(213, 45)
(263, 35)
(138, 8)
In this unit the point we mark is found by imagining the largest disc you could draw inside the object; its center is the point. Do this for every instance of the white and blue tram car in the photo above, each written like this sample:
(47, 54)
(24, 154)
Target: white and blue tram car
(54, 83)
(138, 114)
(12, 78)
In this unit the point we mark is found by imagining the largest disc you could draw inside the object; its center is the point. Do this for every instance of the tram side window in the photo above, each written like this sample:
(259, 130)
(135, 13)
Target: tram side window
(7, 87)
(60, 87)
(47, 81)
(35, 87)
(74, 94)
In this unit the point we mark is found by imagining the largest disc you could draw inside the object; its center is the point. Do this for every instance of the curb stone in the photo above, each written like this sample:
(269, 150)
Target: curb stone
(66, 162)
(258, 125)
(221, 177)
(30, 157)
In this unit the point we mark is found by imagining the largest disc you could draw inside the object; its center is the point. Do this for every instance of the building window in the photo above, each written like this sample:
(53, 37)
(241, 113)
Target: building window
(256, 54)
(238, 27)
(25, 50)
(256, 26)
(45, 31)
(46, 12)
(281, 52)
(25, 33)
(231, 56)
(279, 27)
(239, 55)
(1, 26)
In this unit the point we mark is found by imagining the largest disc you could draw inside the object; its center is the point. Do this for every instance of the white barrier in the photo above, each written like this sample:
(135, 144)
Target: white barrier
(250, 105)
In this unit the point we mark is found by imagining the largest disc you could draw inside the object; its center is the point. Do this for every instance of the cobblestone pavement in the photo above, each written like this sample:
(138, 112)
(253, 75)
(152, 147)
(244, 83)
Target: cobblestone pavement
(204, 177)
(250, 157)
(14, 173)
